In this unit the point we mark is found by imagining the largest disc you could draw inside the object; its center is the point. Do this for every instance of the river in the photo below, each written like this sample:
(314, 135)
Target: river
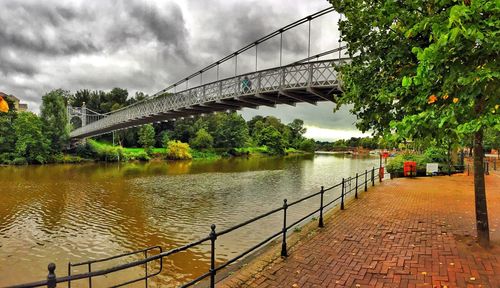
(72, 213)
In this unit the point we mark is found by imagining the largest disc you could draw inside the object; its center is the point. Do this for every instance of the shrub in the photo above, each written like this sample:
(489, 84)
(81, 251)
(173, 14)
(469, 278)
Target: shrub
(396, 163)
(19, 161)
(6, 158)
(178, 151)
(139, 155)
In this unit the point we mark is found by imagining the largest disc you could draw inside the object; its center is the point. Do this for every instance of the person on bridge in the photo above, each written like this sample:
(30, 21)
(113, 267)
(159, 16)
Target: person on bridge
(246, 84)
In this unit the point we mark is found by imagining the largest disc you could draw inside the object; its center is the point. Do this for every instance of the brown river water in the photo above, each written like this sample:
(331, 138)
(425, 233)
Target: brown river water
(74, 213)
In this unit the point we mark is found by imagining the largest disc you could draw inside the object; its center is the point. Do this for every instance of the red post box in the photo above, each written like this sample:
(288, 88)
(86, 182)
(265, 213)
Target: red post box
(410, 168)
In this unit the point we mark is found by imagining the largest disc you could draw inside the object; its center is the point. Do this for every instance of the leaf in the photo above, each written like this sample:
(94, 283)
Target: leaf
(406, 82)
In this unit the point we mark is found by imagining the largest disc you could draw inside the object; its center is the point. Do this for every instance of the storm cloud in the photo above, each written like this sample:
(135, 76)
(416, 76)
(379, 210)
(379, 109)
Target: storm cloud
(146, 45)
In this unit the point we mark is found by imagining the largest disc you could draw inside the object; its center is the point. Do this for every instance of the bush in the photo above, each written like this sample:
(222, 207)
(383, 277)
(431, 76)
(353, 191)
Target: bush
(396, 163)
(6, 158)
(85, 150)
(19, 161)
(178, 151)
(140, 155)
(107, 153)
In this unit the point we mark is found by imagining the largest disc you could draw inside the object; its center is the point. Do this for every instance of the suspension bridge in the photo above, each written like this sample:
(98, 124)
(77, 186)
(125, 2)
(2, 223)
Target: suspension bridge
(309, 80)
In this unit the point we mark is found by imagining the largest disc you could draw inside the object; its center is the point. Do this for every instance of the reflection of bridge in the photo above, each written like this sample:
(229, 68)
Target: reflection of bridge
(309, 80)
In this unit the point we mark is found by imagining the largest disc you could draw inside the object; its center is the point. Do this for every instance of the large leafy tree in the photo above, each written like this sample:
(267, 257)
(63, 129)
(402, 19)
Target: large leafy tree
(31, 143)
(55, 119)
(231, 132)
(425, 69)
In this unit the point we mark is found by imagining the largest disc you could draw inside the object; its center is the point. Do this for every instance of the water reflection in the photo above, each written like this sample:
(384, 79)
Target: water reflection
(65, 213)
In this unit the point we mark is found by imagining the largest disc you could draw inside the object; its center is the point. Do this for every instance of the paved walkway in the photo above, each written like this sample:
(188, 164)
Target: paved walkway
(403, 233)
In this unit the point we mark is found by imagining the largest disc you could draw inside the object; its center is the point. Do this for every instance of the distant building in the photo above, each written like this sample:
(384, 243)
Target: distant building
(20, 107)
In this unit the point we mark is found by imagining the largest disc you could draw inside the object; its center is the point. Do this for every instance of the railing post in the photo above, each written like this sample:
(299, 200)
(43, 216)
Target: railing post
(283, 243)
(146, 269)
(90, 278)
(487, 170)
(220, 89)
(213, 237)
(468, 169)
(366, 180)
(51, 277)
(342, 195)
(69, 274)
(495, 165)
(373, 176)
(321, 225)
(356, 192)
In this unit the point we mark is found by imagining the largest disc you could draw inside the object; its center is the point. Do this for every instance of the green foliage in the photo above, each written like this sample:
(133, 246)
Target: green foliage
(147, 137)
(136, 155)
(422, 69)
(232, 131)
(178, 151)
(55, 119)
(436, 154)
(492, 139)
(203, 140)
(308, 145)
(273, 139)
(19, 161)
(297, 131)
(396, 163)
(31, 142)
(165, 138)
(205, 154)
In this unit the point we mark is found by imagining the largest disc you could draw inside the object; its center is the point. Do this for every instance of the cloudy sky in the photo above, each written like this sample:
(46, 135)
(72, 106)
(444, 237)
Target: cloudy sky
(145, 45)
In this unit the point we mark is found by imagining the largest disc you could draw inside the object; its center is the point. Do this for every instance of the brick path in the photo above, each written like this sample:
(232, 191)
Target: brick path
(403, 233)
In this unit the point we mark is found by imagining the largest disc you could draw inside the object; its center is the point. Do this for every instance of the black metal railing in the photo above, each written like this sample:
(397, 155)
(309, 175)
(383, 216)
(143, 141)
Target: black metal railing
(347, 186)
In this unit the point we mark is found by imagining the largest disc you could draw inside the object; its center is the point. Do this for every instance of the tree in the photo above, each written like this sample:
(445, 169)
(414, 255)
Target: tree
(31, 143)
(273, 139)
(297, 132)
(424, 69)
(55, 119)
(308, 145)
(202, 140)
(165, 139)
(147, 137)
(232, 131)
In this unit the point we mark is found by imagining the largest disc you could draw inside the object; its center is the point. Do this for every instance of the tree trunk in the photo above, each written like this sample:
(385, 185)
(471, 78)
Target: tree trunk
(483, 233)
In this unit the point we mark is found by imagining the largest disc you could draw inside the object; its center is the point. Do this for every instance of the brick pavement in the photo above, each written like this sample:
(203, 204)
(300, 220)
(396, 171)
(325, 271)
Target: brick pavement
(403, 233)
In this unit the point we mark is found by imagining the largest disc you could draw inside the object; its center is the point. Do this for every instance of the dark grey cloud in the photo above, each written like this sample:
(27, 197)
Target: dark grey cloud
(145, 45)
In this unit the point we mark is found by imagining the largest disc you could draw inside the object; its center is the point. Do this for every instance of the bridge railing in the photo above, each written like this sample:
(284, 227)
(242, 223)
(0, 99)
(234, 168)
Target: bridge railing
(347, 187)
(293, 76)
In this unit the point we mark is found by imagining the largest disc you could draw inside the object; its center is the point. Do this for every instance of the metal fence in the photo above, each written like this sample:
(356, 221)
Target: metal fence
(347, 186)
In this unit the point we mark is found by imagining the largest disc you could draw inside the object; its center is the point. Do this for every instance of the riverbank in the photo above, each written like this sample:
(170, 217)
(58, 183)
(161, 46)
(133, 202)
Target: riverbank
(95, 151)
(403, 233)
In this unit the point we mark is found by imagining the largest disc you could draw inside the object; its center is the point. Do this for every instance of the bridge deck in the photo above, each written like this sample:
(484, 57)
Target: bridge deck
(300, 82)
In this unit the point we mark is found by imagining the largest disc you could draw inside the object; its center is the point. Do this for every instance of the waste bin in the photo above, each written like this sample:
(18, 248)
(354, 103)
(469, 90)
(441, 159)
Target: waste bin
(410, 168)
